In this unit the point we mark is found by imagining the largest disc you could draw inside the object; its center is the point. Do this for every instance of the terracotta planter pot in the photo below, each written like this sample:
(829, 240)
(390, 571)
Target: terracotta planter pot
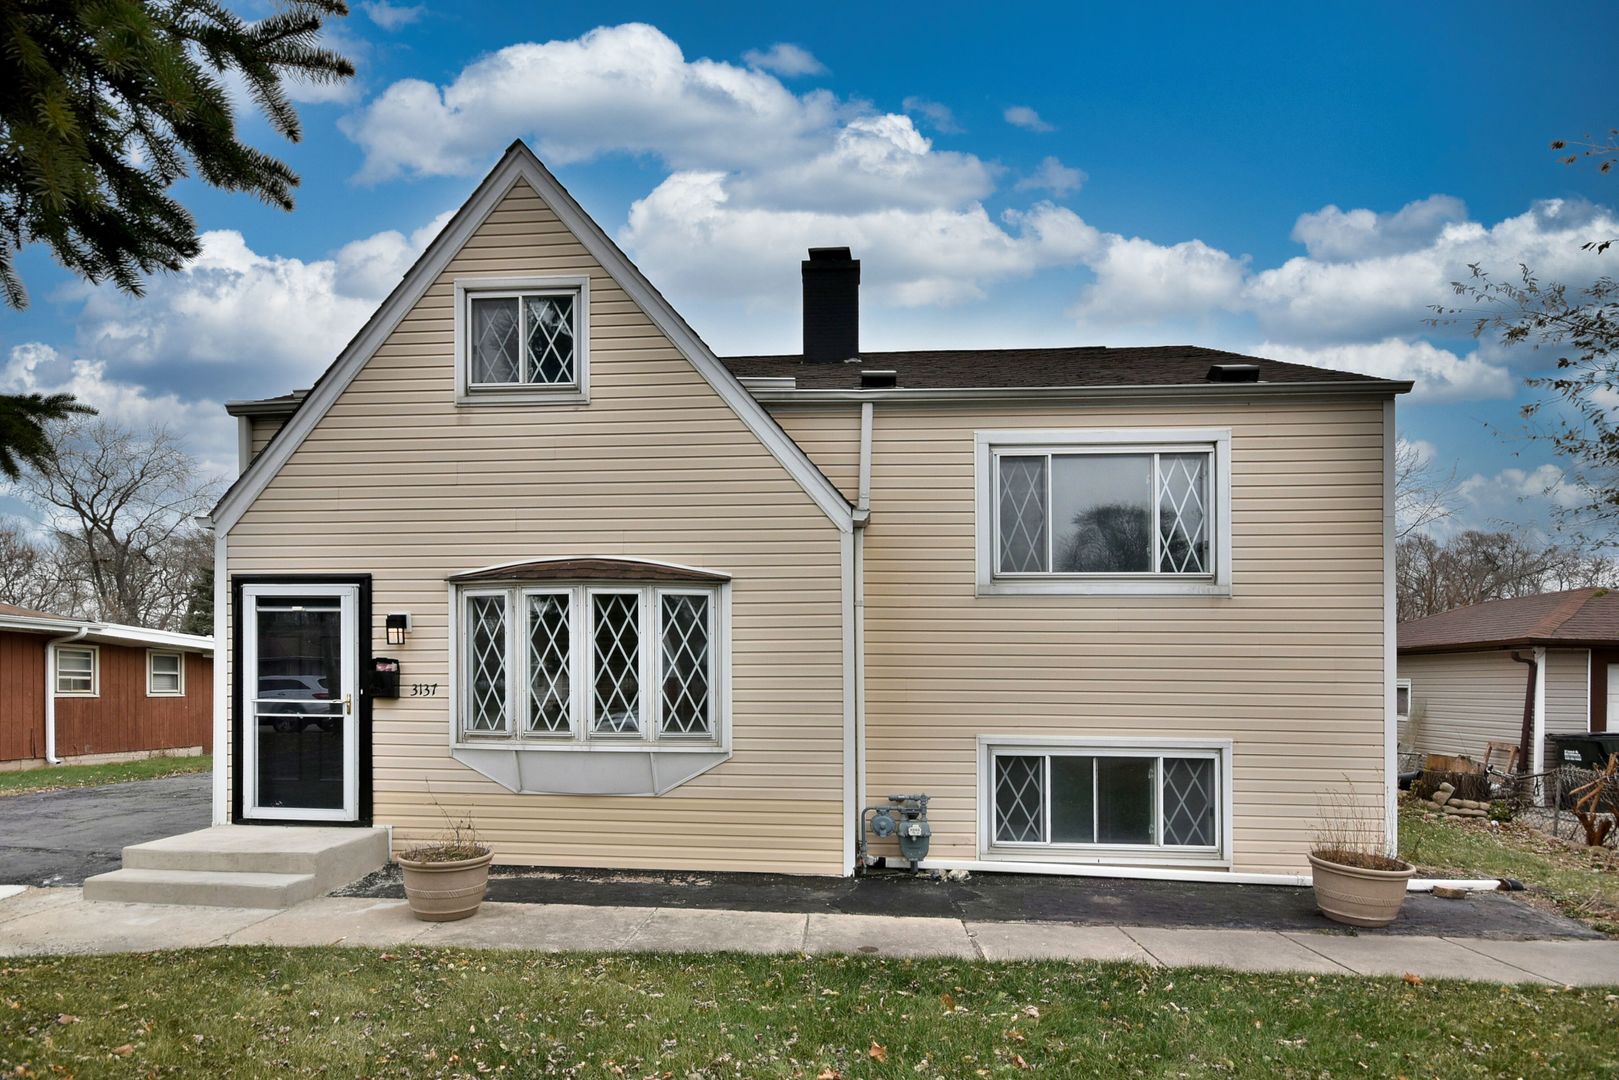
(1348, 894)
(446, 891)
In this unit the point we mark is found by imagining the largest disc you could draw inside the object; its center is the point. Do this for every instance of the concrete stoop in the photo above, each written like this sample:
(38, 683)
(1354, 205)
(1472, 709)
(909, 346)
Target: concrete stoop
(242, 866)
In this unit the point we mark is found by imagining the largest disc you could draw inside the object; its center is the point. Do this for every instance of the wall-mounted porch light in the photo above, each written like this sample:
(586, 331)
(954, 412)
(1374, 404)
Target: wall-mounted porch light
(398, 624)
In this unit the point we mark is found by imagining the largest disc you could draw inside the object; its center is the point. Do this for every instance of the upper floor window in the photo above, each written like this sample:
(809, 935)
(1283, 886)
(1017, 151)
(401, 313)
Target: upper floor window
(603, 663)
(76, 671)
(522, 339)
(1104, 511)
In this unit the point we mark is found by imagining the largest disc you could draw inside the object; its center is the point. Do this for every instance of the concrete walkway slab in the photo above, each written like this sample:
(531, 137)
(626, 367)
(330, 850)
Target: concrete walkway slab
(29, 901)
(698, 930)
(1570, 963)
(1055, 941)
(8, 891)
(112, 928)
(336, 920)
(1238, 950)
(888, 935)
(1430, 958)
(546, 927)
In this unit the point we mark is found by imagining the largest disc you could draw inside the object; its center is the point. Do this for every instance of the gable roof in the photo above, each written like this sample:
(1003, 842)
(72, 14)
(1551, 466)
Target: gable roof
(519, 164)
(1004, 369)
(1588, 617)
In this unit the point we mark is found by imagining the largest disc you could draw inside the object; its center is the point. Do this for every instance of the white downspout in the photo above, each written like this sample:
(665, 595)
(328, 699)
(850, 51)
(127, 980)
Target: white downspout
(50, 690)
(862, 516)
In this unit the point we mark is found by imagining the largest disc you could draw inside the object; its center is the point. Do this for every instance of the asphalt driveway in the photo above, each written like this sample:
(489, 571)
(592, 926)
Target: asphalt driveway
(63, 837)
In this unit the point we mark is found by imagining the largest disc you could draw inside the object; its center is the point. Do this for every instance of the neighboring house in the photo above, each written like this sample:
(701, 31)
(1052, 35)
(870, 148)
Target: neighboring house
(1467, 676)
(1114, 610)
(79, 691)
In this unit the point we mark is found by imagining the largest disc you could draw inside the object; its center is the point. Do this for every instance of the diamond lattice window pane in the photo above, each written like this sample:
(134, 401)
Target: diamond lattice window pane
(550, 340)
(685, 665)
(495, 341)
(1020, 799)
(618, 663)
(1189, 799)
(548, 654)
(1183, 522)
(486, 660)
(1023, 515)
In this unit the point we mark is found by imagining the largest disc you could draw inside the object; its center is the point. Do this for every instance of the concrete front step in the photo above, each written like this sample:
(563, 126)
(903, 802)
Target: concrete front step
(207, 888)
(243, 866)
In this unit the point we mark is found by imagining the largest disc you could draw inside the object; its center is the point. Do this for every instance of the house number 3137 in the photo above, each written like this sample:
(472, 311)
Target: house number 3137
(424, 689)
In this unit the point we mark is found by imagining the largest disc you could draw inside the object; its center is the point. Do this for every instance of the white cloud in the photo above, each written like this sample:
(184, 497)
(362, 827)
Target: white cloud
(1334, 235)
(784, 58)
(233, 305)
(1140, 281)
(1391, 293)
(1439, 374)
(393, 16)
(939, 115)
(1053, 176)
(1024, 117)
(210, 434)
(688, 231)
(616, 89)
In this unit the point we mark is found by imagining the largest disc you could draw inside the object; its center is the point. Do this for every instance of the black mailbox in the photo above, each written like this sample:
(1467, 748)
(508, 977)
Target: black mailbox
(384, 677)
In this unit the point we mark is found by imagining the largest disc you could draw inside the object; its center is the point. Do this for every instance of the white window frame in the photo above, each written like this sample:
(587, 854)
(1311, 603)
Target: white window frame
(470, 288)
(1402, 684)
(992, 746)
(581, 611)
(151, 654)
(989, 447)
(95, 670)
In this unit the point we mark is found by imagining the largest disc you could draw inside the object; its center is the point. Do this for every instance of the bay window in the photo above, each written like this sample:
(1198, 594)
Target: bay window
(587, 664)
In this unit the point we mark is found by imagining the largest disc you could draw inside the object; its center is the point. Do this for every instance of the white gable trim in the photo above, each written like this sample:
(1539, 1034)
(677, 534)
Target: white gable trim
(518, 164)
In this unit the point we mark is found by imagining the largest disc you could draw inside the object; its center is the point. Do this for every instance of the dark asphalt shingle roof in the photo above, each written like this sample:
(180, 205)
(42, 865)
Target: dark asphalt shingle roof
(1088, 366)
(1578, 616)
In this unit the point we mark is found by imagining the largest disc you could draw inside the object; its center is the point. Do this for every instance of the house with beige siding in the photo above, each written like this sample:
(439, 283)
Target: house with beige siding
(539, 557)
(1498, 671)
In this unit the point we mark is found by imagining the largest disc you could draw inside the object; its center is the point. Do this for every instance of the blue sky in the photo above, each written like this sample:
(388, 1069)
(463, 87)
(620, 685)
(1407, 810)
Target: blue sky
(1278, 179)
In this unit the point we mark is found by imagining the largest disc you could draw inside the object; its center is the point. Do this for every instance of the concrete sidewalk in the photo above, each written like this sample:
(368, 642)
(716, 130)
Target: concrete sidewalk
(61, 921)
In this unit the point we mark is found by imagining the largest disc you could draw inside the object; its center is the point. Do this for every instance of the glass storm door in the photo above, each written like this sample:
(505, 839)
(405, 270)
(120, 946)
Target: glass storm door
(300, 747)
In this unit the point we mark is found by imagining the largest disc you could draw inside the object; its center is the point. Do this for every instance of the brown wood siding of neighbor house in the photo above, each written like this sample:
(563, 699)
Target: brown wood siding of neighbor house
(1291, 667)
(22, 696)
(124, 719)
(398, 482)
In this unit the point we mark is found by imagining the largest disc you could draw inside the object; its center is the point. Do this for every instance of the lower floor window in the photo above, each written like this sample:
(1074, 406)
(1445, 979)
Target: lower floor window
(1095, 797)
(608, 663)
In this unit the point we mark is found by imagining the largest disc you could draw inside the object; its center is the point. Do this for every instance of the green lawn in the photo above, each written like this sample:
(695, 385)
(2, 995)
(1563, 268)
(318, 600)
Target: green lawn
(75, 776)
(350, 1012)
(1583, 882)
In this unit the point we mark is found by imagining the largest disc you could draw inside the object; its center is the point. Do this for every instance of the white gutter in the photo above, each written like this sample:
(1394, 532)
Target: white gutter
(1182, 393)
(50, 690)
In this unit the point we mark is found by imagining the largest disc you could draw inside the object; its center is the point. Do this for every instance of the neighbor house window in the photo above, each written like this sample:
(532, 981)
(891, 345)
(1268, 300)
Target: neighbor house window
(1402, 698)
(1106, 798)
(1102, 511)
(165, 674)
(76, 671)
(596, 664)
(522, 339)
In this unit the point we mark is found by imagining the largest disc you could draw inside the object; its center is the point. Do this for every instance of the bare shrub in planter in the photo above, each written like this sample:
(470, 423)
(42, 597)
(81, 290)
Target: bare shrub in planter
(1355, 882)
(446, 879)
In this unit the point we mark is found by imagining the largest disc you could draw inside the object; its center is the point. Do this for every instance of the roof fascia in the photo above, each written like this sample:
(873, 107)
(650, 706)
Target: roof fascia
(1177, 394)
(520, 164)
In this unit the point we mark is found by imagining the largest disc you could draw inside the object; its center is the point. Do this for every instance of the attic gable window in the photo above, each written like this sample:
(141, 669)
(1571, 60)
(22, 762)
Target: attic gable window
(522, 340)
(1104, 512)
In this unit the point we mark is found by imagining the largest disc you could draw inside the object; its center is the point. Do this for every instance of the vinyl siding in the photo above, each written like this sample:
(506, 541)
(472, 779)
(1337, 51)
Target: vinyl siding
(1461, 701)
(398, 482)
(262, 429)
(1290, 667)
